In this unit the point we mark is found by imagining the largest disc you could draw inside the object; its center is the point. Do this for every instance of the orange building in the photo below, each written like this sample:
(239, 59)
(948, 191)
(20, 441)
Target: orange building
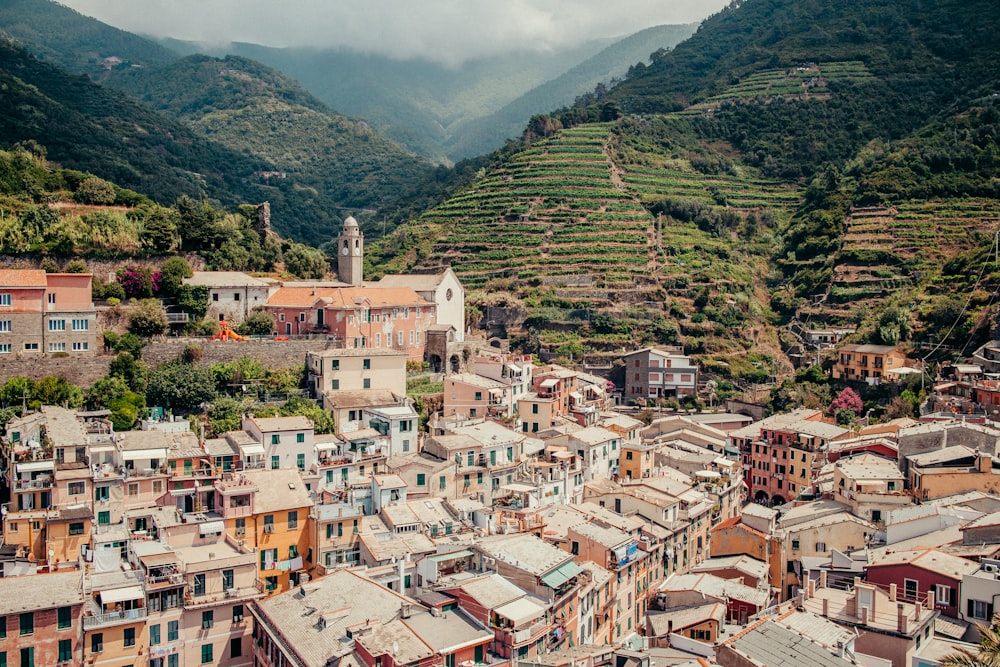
(268, 510)
(867, 363)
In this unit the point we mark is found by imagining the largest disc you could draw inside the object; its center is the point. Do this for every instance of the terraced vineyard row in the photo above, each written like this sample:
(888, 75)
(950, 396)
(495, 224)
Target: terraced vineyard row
(552, 210)
(884, 248)
(805, 81)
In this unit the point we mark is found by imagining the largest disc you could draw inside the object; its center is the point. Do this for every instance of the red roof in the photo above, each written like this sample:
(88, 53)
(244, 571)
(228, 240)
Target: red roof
(346, 297)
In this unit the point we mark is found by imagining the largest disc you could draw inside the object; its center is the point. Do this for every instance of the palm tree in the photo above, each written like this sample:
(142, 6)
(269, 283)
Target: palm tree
(986, 655)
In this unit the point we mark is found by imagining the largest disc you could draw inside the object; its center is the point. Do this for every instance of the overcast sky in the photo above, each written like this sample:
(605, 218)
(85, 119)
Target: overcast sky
(446, 31)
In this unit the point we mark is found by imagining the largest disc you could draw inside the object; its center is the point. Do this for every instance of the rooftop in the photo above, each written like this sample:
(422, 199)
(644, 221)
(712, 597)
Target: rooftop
(226, 279)
(281, 489)
(928, 559)
(39, 591)
(771, 644)
(524, 551)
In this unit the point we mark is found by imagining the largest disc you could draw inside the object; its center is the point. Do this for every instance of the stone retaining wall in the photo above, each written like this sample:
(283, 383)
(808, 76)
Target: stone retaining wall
(84, 371)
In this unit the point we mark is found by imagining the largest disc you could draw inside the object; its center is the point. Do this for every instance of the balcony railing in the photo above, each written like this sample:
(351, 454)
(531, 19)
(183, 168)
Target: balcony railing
(26, 484)
(113, 618)
(254, 590)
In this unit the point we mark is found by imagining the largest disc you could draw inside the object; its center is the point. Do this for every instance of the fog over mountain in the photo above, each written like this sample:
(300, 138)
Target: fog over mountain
(440, 31)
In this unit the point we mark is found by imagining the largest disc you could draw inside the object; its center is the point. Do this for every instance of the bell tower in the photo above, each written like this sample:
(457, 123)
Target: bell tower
(350, 253)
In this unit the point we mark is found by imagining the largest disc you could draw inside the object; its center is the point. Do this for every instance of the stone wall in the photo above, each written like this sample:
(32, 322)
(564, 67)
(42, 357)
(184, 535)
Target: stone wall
(84, 371)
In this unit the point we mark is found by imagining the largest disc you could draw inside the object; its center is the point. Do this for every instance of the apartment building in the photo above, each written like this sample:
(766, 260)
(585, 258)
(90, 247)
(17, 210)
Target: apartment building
(46, 313)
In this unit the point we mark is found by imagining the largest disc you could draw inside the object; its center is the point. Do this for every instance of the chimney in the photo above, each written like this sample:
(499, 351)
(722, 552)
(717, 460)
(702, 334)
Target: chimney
(900, 618)
(822, 578)
(812, 588)
(840, 649)
(826, 608)
(892, 592)
(864, 616)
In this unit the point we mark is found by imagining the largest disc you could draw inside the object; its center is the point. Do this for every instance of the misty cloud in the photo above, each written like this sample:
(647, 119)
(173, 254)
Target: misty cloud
(444, 31)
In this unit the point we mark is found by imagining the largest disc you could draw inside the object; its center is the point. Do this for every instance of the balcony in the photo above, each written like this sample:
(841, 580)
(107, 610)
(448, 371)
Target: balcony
(246, 592)
(527, 635)
(29, 484)
(99, 620)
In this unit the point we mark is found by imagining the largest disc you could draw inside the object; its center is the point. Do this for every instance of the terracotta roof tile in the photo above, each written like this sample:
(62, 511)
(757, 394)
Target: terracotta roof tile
(22, 278)
(346, 297)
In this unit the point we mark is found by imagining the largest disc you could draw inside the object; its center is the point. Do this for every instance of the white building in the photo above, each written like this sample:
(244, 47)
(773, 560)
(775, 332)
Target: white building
(442, 289)
(398, 423)
(232, 295)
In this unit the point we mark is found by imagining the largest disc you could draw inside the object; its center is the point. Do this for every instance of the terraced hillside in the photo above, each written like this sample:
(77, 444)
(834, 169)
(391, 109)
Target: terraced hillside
(889, 249)
(576, 224)
(554, 210)
(807, 81)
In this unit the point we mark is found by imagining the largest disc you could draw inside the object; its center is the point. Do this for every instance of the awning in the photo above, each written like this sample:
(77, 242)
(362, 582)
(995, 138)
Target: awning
(140, 454)
(437, 558)
(182, 492)
(322, 446)
(36, 466)
(100, 449)
(903, 370)
(594, 388)
(122, 594)
(514, 367)
(209, 527)
(575, 395)
(561, 574)
(252, 450)
(496, 392)
(521, 611)
(548, 384)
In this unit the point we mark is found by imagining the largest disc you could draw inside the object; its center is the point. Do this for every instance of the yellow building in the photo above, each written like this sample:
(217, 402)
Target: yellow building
(269, 510)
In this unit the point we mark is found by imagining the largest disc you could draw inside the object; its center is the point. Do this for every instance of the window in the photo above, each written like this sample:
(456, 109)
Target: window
(154, 634)
(57, 347)
(335, 385)
(104, 518)
(81, 325)
(129, 637)
(821, 547)
(943, 595)
(81, 346)
(275, 462)
(31, 347)
(65, 650)
(271, 584)
(227, 579)
(57, 325)
(237, 613)
(207, 619)
(199, 584)
(172, 631)
(367, 383)
(173, 659)
(268, 523)
(241, 527)
(27, 623)
(876, 515)
(795, 543)
(979, 610)
(28, 656)
(235, 647)
(52, 298)
(97, 642)
(5, 326)
(399, 339)
(421, 479)
(442, 482)
(293, 551)
(4, 299)
(65, 614)
(302, 317)
(910, 588)
(300, 461)
(892, 486)
(236, 296)
(300, 437)
(293, 520)
(3, 627)
(534, 408)
(77, 488)
(206, 654)
(275, 438)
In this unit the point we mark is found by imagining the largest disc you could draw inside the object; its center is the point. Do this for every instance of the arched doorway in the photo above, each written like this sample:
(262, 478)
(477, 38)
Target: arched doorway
(760, 497)
(455, 364)
(435, 363)
(777, 500)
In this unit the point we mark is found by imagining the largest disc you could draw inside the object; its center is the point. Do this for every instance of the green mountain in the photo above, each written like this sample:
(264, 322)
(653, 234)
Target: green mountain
(321, 163)
(792, 160)
(90, 128)
(77, 43)
(486, 133)
(416, 102)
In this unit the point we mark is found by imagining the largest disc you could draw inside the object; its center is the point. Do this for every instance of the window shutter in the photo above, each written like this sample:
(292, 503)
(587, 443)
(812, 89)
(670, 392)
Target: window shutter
(951, 597)
(989, 611)
(969, 606)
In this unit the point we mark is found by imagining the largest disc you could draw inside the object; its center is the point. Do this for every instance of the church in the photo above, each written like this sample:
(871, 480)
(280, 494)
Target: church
(422, 315)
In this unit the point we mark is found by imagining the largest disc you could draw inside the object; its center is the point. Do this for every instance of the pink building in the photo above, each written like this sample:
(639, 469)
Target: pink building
(46, 313)
(360, 317)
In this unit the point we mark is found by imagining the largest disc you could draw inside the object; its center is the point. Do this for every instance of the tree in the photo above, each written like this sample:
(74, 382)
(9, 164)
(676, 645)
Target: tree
(180, 387)
(128, 343)
(305, 262)
(148, 319)
(130, 369)
(987, 654)
(16, 391)
(105, 391)
(848, 399)
(95, 191)
(257, 323)
(172, 275)
(52, 390)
